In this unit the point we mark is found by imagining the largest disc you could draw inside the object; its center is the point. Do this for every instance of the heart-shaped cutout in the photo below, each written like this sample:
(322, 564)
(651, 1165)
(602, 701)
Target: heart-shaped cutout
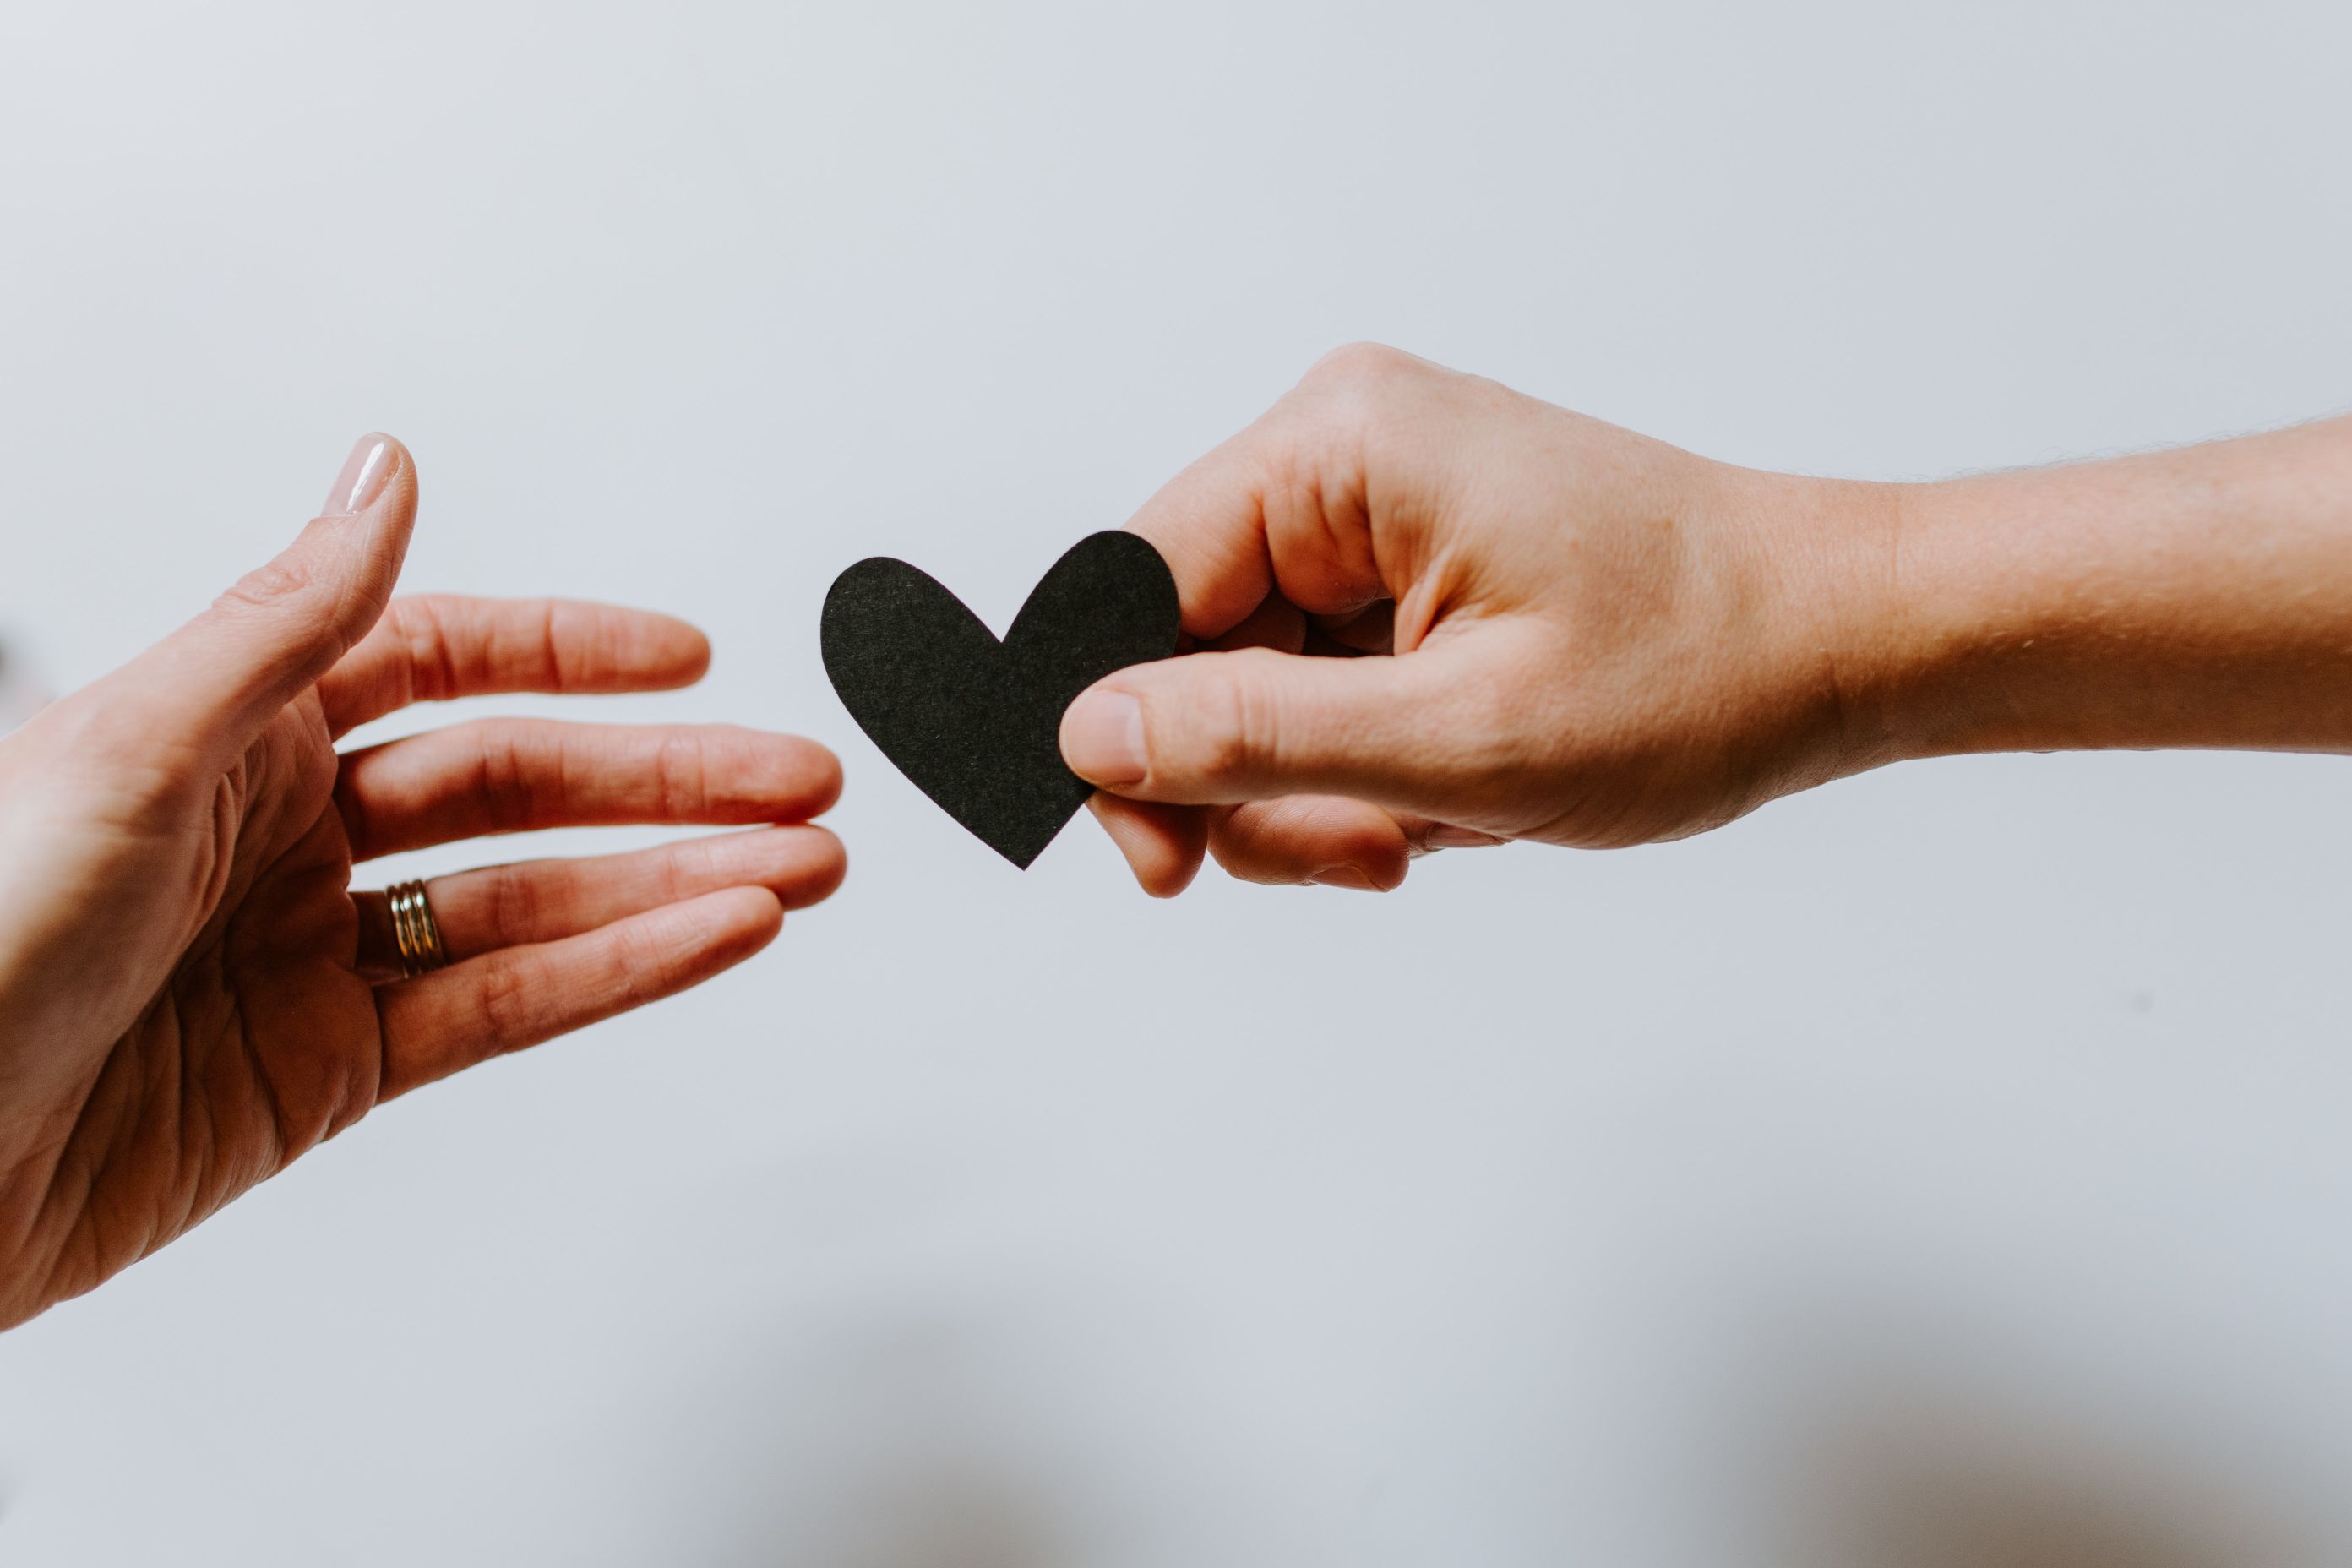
(975, 722)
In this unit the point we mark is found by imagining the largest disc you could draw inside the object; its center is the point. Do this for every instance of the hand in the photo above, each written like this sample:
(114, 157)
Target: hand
(1597, 639)
(192, 995)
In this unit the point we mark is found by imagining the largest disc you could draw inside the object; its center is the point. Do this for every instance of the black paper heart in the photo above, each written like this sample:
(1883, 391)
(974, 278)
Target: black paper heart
(976, 722)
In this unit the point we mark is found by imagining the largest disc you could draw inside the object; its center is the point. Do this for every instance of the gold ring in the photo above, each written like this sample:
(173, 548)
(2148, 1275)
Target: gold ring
(414, 931)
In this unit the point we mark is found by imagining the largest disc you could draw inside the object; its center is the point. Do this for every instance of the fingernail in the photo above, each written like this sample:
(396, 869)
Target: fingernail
(1344, 877)
(1102, 738)
(361, 480)
(1444, 836)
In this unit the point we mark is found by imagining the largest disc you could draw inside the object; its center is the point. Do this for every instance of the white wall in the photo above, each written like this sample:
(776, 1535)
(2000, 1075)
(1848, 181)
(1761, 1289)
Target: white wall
(1953, 1166)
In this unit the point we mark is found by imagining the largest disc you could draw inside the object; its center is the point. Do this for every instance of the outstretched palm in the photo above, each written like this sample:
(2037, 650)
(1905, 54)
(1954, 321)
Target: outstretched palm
(190, 993)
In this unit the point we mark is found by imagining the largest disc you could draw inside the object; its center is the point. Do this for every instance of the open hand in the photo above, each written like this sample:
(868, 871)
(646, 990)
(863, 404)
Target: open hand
(190, 993)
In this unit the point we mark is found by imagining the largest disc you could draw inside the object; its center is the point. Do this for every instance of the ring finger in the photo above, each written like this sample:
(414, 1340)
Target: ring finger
(531, 901)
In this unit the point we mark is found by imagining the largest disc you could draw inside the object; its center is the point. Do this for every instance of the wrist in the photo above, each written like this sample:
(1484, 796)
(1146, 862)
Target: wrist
(1840, 653)
(1975, 578)
(1930, 604)
(2185, 598)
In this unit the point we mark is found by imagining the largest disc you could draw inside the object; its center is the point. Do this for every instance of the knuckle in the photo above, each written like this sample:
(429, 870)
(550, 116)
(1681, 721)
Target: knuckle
(302, 602)
(1354, 389)
(1237, 724)
(1354, 368)
(678, 874)
(682, 774)
(422, 629)
(509, 1014)
(269, 585)
(642, 963)
(515, 906)
(506, 775)
(1343, 413)
(559, 673)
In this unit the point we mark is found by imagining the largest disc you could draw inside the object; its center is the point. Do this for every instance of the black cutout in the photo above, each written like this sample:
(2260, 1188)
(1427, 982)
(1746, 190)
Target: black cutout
(976, 722)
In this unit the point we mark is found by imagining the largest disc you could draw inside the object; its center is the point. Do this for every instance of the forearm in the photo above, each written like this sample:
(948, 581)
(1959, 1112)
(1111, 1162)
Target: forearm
(2201, 597)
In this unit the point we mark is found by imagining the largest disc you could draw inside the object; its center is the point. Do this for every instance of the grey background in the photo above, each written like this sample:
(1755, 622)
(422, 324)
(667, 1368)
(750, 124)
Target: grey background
(1952, 1166)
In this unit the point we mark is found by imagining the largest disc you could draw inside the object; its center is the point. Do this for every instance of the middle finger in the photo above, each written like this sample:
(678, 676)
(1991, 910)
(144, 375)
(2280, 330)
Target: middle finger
(517, 775)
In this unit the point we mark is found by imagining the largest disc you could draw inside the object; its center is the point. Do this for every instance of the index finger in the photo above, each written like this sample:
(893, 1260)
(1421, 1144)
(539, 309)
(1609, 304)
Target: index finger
(1209, 523)
(1287, 503)
(431, 647)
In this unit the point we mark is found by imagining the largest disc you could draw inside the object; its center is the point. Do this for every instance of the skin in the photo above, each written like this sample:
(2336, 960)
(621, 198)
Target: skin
(1431, 612)
(1434, 613)
(192, 995)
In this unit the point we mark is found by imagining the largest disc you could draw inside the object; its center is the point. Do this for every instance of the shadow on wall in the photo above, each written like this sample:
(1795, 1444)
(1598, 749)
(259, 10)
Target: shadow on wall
(892, 1445)
(1940, 1502)
(943, 1517)
(1961, 1451)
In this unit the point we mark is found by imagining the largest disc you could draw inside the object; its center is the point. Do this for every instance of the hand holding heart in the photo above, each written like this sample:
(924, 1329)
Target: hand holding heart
(1437, 613)
(1441, 613)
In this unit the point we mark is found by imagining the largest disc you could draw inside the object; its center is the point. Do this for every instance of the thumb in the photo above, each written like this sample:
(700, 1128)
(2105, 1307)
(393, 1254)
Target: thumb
(212, 685)
(1223, 728)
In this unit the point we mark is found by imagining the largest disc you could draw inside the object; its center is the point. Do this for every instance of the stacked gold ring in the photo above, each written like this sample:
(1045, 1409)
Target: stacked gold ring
(414, 931)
